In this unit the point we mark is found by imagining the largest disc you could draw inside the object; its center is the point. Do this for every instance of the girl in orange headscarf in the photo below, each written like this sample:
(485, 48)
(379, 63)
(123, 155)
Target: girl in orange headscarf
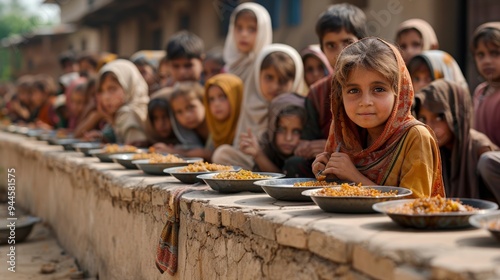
(373, 138)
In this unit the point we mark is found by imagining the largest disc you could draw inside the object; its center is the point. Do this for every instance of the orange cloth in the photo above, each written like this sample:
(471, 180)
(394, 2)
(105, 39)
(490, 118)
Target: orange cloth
(223, 132)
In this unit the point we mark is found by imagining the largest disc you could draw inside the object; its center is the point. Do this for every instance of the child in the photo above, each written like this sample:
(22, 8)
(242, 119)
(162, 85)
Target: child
(414, 36)
(278, 69)
(337, 27)
(159, 125)
(486, 49)
(122, 98)
(76, 102)
(185, 56)
(374, 139)
(316, 65)
(222, 100)
(432, 65)
(19, 106)
(447, 108)
(148, 72)
(42, 100)
(286, 120)
(213, 64)
(249, 31)
(189, 123)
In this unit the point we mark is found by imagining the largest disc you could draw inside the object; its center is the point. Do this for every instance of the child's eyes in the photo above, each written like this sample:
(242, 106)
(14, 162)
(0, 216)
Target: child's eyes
(479, 55)
(330, 45)
(422, 119)
(353, 90)
(379, 89)
(297, 132)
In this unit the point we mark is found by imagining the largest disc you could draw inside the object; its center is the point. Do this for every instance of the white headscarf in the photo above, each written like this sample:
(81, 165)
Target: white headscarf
(241, 64)
(134, 112)
(254, 114)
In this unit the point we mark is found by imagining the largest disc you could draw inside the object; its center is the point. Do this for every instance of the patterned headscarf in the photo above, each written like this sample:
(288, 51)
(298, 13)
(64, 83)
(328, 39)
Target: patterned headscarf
(374, 162)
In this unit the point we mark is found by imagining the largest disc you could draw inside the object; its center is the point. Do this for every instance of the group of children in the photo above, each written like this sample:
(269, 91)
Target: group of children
(355, 108)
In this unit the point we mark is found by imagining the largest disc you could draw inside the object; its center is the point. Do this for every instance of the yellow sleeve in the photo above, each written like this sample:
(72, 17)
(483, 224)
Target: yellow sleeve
(419, 164)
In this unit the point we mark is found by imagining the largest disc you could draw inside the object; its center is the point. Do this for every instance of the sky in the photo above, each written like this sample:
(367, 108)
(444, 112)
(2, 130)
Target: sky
(47, 12)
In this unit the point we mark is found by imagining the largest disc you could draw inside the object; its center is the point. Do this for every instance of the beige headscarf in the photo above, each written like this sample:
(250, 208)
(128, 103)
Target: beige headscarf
(241, 64)
(254, 114)
(133, 114)
(429, 38)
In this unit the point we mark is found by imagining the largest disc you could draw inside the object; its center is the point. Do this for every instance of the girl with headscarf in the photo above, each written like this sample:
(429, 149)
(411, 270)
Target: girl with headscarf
(433, 65)
(286, 121)
(316, 65)
(249, 31)
(222, 100)
(278, 69)
(447, 108)
(374, 139)
(122, 97)
(158, 126)
(415, 36)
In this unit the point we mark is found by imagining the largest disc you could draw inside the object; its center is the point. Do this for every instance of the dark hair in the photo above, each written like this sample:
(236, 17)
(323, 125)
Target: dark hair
(91, 88)
(91, 59)
(185, 44)
(188, 89)
(283, 63)
(105, 75)
(215, 54)
(45, 84)
(157, 103)
(243, 12)
(342, 16)
(67, 57)
(487, 35)
(416, 62)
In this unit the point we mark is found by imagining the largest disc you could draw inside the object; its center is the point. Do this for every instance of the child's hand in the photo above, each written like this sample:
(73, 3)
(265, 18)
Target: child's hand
(163, 148)
(302, 149)
(109, 118)
(249, 144)
(92, 135)
(309, 149)
(342, 167)
(319, 165)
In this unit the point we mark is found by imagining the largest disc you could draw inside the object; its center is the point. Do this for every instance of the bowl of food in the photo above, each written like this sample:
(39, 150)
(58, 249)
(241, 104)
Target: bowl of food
(188, 174)
(237, 181)
(67, 143)
(290, 189)
(489, 221)
(23, 227)
(159, 162)
(126, 159)
(348, 198)
(434, 212)
(85, 147)
(111, 149)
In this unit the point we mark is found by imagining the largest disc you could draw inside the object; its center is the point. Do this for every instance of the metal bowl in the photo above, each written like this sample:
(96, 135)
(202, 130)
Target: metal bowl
(125, 159)
(354, 204)
(234, 186)
(23, 227)
(190, 177)
(67, 143)
(283, 189)
(157, 168)
(483, 221)
(85, 147)
(449, 220)
(104, 157)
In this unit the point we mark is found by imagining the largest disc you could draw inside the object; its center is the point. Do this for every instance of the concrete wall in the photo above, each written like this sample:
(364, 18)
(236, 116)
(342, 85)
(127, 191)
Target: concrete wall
(110, 219)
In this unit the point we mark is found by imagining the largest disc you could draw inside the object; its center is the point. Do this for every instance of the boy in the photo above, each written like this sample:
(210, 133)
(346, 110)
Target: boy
(337, 27)
(185, 53)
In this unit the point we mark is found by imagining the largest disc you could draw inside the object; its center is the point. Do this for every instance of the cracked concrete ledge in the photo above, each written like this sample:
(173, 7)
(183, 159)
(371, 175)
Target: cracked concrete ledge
(110, 219)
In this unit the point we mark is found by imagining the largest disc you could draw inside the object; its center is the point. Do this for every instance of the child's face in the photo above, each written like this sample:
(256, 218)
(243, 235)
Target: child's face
(288, 132)
(161, 122)
(211, 68)
(245, 32)
(334, 42)
(439, 125)
(164, 73)
(271, 85)
(487, 57)
(185, 69)
(368, 99)
(410, 43)
(78, 103)
(218, 103)
(37, 98)
(111, 95)
(421, 77)
(147, 73)
(313, 69)
(24, 96)
(188, 111)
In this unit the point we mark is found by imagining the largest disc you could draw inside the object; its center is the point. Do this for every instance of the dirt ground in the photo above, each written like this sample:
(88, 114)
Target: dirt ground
(39, 252)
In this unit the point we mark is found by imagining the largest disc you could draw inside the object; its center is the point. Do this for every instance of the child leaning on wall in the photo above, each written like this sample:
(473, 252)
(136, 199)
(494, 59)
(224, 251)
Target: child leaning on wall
(122, 98)
(374, 139)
